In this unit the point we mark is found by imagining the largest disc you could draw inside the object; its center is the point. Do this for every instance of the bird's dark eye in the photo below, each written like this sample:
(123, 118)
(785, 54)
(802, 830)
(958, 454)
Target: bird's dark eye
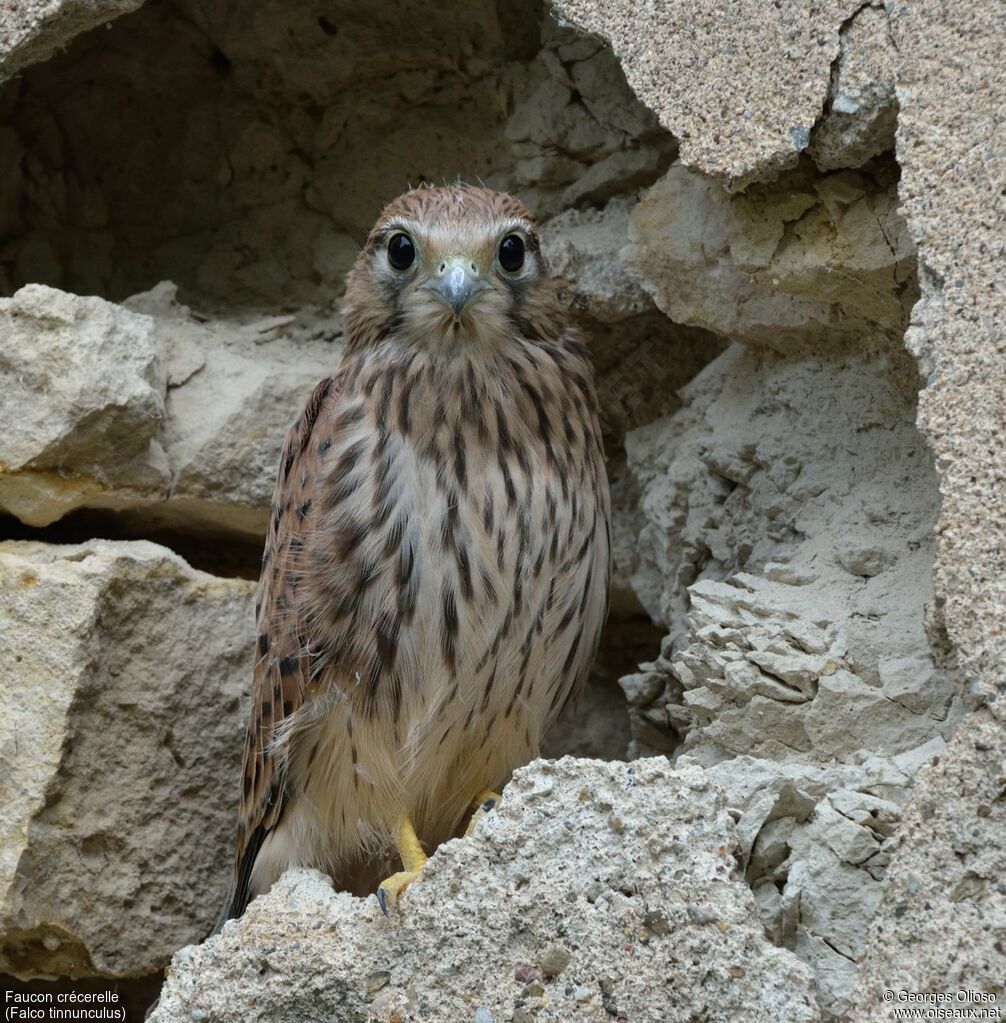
(512, 253)
(401, 251)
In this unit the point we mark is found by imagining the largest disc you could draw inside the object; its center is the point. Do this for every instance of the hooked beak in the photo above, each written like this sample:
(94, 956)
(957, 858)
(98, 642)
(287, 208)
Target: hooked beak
(456, 283)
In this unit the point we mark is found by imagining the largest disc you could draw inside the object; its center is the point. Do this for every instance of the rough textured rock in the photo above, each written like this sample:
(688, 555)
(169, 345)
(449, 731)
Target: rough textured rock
(779, 665)
(582, 248)
(149, 407)
(948, 149)
(118, 748)
(234, 387)
(578, 133)
(952, 98)
(595, 892)
(815, 837)
(740, 85)
(84, 392)
(641, 358)
(788, 513)
(806, 261)
(941, 924)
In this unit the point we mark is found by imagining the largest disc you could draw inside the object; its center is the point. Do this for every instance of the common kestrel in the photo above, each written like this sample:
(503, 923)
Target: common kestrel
(435, 578)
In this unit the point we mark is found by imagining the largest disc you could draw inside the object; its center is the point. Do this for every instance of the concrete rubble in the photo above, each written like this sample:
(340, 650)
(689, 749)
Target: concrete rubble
(635, 912)
(941, 924)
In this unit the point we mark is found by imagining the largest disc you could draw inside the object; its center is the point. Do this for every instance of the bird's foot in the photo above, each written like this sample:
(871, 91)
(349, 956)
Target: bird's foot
(413, 860)
(483, 803)
(389, 889)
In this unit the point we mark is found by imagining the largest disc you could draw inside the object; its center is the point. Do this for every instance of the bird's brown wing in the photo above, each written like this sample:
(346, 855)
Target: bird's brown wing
(280, 682)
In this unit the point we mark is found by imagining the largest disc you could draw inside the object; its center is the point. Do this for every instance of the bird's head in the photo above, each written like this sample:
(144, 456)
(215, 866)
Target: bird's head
(451, 267)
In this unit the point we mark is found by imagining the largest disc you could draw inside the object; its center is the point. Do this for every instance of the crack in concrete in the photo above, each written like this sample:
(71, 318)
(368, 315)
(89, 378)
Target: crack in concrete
(836, 64)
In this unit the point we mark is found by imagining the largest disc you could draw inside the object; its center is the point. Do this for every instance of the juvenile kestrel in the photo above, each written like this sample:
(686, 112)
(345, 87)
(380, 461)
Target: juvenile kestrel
(435, 578)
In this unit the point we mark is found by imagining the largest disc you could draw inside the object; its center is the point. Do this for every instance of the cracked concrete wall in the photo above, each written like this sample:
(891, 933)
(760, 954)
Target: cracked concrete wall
(687, 64)
(772, 192)
(612, 935)
(742, 671)
(950, 88)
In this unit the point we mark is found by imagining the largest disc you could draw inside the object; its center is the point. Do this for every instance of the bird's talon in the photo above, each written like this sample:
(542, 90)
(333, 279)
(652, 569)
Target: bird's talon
(390, 890)
(483, 803)
(486, 800)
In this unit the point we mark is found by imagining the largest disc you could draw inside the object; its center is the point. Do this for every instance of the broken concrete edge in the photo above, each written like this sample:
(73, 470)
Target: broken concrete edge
(747, 136)
(940, 926)
(949, 149)
(621, 878)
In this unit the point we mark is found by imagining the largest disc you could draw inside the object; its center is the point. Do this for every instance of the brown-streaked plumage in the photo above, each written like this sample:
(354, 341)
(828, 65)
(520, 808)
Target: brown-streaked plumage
(435, 577)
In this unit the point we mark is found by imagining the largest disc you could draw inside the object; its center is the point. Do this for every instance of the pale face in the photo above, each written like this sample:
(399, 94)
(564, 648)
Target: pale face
(459, 283)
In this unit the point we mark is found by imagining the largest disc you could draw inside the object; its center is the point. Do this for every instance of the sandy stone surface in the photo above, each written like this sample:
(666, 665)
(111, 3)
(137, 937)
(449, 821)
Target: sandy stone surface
(119, 752)
(740, 85)
(595, 892)
(786, 544)
(149, 408)
(941, 926)
(806, 263)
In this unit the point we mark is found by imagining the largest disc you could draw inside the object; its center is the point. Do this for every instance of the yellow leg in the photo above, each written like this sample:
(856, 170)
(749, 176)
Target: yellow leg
(413, 859)
(483, 803)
